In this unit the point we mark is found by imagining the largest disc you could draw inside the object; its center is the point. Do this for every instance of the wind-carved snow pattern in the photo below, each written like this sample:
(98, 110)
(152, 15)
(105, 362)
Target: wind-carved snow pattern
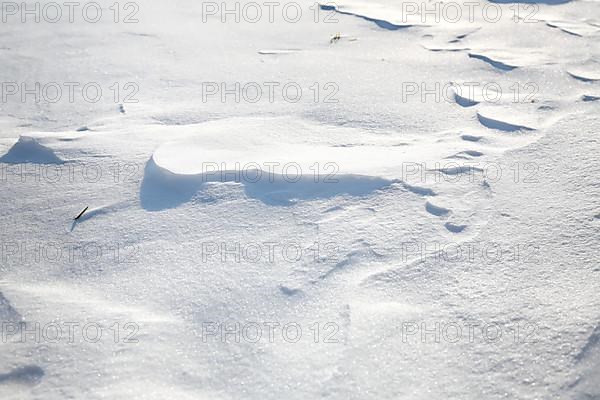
(378, 15)
(292, 161)
(361, 197)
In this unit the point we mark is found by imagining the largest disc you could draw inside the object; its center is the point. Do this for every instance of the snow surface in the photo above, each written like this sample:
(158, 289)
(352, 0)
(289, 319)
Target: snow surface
(391, 186)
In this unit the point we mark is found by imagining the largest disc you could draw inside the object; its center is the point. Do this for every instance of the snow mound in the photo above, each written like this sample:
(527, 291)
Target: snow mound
(281, 161)
(278, 161)
(163, 189)
(29, 150)
(7, 311)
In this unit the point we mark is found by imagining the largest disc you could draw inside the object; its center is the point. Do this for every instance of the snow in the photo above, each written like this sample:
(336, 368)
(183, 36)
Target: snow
(28, 150)
(425, 212)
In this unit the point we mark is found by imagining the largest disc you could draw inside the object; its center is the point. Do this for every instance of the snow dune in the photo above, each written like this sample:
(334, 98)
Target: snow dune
(289, 160)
